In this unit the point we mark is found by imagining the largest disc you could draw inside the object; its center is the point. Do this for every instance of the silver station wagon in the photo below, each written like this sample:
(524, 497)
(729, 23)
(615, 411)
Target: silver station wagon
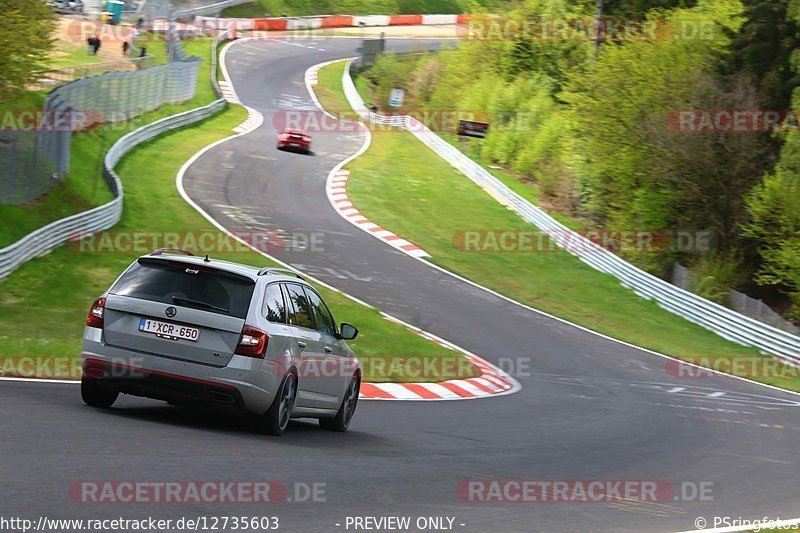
(200, 332)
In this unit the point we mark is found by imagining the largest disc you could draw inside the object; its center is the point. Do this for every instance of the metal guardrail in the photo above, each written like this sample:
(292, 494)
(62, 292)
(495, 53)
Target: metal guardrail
(222, 36)
(721, 320)
(211, 8)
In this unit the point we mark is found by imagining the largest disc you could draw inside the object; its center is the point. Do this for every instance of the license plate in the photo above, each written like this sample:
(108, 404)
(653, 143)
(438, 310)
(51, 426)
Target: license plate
(168, 331)
(294, 144)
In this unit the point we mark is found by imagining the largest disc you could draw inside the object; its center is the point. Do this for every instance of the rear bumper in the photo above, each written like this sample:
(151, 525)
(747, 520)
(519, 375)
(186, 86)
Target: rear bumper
(288, 146)
(246, 384)
(161, 386)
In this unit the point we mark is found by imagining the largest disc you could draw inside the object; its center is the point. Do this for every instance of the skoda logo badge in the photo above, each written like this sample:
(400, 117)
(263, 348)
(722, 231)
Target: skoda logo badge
(171, 312)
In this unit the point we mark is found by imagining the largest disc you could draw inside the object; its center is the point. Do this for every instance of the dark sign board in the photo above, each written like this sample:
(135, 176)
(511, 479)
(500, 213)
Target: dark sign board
(370, 48)
(472, 129)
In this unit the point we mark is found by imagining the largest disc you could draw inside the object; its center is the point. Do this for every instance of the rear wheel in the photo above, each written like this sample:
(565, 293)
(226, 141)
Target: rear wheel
(276, 419)
(342, 419)
(94, 395)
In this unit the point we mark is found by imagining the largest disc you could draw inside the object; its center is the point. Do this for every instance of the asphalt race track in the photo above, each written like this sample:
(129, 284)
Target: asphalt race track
(591, 409)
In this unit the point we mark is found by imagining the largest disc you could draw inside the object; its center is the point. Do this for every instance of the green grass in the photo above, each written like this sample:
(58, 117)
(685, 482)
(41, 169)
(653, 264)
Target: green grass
(53, 293)
(70, 55)
(438, 202)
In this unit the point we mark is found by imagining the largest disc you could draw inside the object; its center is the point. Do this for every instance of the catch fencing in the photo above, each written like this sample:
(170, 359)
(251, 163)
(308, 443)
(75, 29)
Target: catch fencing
(39, 157)
(107, 215)
(721, 320)
(738, 301)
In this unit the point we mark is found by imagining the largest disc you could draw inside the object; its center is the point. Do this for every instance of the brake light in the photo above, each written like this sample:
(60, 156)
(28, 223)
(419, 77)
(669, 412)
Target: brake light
(95, 317)
(253, 343)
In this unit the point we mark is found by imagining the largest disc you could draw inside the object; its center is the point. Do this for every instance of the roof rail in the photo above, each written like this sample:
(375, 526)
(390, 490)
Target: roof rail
(171, 250)
(275, 270)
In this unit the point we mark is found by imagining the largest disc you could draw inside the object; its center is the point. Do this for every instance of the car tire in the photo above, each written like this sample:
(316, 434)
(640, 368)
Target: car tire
(343, 418)
(276, 419)
(95, 396)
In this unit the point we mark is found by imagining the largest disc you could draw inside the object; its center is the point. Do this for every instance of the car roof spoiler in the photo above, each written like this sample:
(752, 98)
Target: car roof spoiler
(275, 270)
(171, 250)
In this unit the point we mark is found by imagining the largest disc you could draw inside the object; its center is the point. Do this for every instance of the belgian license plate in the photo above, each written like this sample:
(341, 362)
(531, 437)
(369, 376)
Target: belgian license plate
(168, 331)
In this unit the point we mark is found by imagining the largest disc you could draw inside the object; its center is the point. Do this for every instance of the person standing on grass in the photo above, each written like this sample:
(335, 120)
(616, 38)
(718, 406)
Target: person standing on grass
(89, 45)
(97, 44)
(143, 51)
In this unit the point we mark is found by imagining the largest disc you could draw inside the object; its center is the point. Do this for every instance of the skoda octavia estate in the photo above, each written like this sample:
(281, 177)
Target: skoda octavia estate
(200, 332)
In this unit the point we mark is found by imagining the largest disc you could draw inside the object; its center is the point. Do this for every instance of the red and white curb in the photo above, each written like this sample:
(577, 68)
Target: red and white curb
(491, 382)
(228, 93)
(254, 118)
(337, 193)
(336, 184)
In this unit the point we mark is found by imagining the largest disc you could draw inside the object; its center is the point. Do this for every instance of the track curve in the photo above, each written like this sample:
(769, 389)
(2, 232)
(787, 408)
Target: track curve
(592, 408)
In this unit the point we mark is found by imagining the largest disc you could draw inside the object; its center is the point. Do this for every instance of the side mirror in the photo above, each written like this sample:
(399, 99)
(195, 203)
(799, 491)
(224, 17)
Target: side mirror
(348, 331)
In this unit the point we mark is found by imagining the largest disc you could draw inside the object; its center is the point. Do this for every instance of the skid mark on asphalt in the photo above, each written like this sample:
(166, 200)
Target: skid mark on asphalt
(703, 394)
(339, 273)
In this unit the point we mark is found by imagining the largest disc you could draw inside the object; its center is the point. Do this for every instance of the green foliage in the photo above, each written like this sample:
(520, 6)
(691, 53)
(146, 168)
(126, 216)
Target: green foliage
(25, 29)
(774, 206)
(597, 129)
(764, 46)
(715, 274)
(643, 169)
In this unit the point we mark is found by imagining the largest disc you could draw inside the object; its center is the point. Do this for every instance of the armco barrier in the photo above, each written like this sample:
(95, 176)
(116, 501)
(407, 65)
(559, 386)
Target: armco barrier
(209, 8)
(721, 320)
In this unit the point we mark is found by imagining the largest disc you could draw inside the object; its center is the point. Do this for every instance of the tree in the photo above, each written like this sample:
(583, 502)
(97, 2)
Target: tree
(774, 206)
(25, 42)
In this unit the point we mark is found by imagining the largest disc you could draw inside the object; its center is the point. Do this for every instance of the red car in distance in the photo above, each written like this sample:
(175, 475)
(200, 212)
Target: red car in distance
(294, 139)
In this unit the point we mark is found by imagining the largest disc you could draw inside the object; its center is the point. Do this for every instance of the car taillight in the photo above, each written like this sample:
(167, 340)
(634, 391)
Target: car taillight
(253, 343)
(95, 317)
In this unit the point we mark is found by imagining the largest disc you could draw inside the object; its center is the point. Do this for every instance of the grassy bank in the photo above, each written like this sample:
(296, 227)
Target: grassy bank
(293, 8)
(440, 203)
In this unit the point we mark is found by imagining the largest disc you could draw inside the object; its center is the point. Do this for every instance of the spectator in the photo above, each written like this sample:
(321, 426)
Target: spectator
(89, 45)
(96, 45)
(143, 51)
(125, 47)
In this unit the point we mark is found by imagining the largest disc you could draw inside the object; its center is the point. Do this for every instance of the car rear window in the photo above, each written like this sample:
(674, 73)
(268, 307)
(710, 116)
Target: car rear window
(196, 286)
